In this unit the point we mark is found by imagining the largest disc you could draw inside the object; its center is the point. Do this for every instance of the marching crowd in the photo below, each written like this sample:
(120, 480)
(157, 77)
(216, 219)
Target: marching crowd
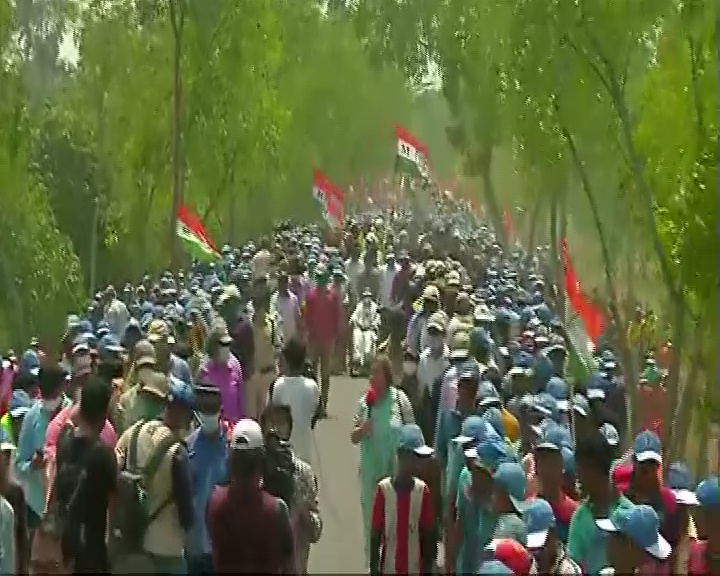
(174, 432)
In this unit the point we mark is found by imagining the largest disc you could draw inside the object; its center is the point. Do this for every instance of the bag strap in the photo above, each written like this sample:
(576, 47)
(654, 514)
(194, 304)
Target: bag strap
(131, 459)
(156, 458)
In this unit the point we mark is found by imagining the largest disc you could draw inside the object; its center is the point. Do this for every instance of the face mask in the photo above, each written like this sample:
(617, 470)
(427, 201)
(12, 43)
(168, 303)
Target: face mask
(209, 422)
(51, 404)
(436, 342)
(409, 367)
(223, 354)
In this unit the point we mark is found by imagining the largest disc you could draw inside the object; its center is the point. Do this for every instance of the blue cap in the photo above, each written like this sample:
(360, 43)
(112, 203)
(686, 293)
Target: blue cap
(641, 524)
(489, 454)
(678, 476)
(647, 447)
(109, 345)
(568, 459)
(472, 429)
(20, 403)
(554, 437)
(581, 405)
(180, 393)
(708, 492)
(539, 517)
(610, 433)
(29, 363)
(558, 389)
(678, 480)
(547, 405)
(102, 329)
(411, 440)
(487, 394)
(494, 568)
(510, 476)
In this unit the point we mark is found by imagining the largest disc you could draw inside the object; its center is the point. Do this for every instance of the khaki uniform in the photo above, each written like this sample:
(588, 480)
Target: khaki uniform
(164, 536)
(258, 385)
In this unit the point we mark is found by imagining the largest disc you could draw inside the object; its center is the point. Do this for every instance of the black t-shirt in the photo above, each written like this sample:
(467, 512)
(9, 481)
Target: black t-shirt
(94, 496)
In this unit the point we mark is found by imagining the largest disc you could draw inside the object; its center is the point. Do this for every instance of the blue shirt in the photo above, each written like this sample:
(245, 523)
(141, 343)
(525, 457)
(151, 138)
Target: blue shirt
(449, 427)
(30, 441)
(208, 468)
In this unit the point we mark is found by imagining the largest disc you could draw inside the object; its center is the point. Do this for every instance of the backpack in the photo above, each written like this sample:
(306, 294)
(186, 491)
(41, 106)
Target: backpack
(64, 519)
(133, 516)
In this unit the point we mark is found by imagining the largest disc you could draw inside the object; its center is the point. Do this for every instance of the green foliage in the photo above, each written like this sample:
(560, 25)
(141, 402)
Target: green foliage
(269, 89)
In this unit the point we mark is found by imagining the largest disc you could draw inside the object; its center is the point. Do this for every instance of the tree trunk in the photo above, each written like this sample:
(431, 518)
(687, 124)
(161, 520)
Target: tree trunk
(610, 281)
(177, 18)
(485, 168)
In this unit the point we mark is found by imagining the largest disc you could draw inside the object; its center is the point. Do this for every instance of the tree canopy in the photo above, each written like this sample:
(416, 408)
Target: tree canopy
(268, 91)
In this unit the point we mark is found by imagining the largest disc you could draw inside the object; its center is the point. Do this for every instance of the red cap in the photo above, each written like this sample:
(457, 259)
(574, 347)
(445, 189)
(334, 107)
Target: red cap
(513, 554)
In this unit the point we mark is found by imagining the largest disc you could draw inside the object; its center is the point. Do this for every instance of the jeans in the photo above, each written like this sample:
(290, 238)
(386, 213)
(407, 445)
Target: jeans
(200, 565)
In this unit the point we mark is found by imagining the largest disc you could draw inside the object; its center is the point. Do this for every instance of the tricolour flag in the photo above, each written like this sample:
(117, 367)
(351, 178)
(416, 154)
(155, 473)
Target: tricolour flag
(191, 231)
(412, 155)
(583, 322)
(330, 197)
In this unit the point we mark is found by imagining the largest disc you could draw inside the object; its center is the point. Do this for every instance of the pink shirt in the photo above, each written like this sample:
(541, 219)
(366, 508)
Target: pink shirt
(63, 417)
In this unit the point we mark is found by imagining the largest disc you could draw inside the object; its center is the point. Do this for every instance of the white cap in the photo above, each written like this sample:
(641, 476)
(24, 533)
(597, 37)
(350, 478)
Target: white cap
(246, 435)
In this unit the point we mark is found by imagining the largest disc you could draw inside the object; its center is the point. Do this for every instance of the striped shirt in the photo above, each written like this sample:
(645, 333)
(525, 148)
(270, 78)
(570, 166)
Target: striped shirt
(400, 517)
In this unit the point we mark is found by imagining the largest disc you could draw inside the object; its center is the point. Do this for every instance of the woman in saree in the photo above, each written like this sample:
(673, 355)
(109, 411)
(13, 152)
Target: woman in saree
(381, 411)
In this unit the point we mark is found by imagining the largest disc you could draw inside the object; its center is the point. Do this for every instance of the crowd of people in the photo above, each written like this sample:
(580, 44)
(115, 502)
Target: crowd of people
(174, 433)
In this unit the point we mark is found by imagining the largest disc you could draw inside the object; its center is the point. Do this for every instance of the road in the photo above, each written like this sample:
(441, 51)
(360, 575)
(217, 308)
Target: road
(340, 549)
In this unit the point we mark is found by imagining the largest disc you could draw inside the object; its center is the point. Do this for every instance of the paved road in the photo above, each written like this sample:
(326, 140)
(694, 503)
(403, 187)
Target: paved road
(340, 550)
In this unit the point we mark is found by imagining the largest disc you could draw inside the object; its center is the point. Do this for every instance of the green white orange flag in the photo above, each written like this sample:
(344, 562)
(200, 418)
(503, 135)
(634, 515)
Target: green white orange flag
(196, 240)
(330, 198)
(412, 155)
(583, 322)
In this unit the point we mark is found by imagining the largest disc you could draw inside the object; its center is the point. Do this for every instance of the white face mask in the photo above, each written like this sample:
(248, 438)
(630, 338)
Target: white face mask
(51, 404)
(223, 354)
(409, 367)
(209, 422)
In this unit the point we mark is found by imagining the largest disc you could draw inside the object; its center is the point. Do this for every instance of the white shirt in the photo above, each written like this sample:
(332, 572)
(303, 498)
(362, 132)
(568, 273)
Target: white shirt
(7, 537)
(366, 315)
(387, 275)
(302, 395)
(117, 316)
(287, 309)
(431, 368)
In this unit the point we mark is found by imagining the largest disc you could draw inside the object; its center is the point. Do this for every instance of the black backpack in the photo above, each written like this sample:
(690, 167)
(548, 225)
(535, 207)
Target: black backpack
(133, 515)
(64, 517)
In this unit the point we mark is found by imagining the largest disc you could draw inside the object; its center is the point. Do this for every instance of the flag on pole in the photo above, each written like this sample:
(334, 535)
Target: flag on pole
(191, 231)
(330, 197)
(412, 155)
(583, 322)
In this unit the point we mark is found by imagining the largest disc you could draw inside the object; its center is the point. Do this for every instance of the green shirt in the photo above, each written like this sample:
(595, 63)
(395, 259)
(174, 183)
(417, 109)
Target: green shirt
(586, 542)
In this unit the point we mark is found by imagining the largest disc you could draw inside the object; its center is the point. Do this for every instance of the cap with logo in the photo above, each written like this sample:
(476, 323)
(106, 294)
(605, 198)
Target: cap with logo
(647, 447)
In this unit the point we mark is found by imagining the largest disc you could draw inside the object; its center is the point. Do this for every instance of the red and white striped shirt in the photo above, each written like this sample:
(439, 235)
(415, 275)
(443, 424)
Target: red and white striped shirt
(401, 517)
